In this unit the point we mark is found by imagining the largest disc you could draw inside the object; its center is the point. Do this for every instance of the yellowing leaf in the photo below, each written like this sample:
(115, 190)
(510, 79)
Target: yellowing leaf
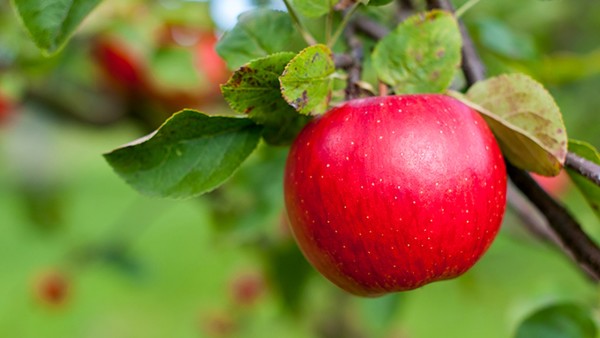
(307, 81)
(525, 119)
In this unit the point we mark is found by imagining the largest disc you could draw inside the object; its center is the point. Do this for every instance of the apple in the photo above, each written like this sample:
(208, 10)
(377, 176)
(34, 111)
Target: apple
(556, 186)
(208, 62)
(120, 64)
(219, 324)
(387, 194)
(6, 107)
(52, 288)
(246, 289)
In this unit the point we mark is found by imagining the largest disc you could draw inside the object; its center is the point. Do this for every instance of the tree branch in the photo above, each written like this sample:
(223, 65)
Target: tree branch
(471, 62)
(371, 28)
(573, 240)
(405, 9)
(355, 70)
(586, 168)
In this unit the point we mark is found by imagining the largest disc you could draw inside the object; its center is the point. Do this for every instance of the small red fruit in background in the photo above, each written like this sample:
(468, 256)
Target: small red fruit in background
(390, 193)
(247, 288)
(556, 186)
(52, 288)
(120, 64)
(6, 107)
(219, 324)
(208, 62)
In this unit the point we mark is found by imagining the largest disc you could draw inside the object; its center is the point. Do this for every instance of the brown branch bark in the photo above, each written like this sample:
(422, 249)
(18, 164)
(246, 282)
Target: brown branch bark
(355, 70)
(573, 240)
(586, 168)
(371, 28)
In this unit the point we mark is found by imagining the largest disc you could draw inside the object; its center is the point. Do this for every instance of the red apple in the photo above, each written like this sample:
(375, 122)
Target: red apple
(246, 289)
(556, 186)
(390, 193)
(120, 64)
(6, 107)
(208, 62)
(52, 288)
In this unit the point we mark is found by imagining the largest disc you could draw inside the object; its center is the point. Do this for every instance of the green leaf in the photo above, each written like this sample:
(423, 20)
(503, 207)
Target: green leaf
(173, 69)
(421, 55)
(379, 2)
(190, 154)
(505, 40)
(590, 191)
(307, 80)
(565, 67)
(259, 33)
(289, 273)
(526, 121)
(51, 22)
(254, 90)
(313, 8)
(566, 320)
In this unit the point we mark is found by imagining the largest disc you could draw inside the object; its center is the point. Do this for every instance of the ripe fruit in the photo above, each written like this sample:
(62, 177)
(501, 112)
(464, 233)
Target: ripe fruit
(6, 107)
(246, 289)
(122, 66)
(391, 193)
(52, 288)
(208, 62)
(556, 186)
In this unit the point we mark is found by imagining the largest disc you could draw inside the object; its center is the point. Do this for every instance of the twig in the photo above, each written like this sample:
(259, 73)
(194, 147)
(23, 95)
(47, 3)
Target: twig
(531, 217)
(465, 7)
(343, 61)
(371, 28)
(471, 62)
(342, 27)
(573, 240)
(305, 33)
(405, 9)
(586, 168)
(355, 70)
(406, 5)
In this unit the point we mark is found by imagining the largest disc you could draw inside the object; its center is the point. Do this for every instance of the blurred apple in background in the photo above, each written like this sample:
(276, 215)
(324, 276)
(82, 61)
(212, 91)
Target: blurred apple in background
(120, 64)
(6, 108)
(175, 68)
(52, 288)
(556, 186)
(247, 288)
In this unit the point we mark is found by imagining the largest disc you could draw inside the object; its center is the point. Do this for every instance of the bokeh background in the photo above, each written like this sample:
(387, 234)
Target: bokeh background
(83, 255)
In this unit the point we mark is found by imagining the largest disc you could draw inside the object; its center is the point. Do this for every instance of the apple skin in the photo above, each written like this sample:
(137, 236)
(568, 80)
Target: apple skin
(390, 193)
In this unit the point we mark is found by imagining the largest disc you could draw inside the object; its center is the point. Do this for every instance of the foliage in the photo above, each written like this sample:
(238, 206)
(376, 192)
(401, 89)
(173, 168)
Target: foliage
(167, 264)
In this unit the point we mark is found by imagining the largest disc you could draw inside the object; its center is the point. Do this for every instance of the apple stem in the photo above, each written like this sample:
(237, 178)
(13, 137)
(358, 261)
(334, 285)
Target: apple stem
(310, 40)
